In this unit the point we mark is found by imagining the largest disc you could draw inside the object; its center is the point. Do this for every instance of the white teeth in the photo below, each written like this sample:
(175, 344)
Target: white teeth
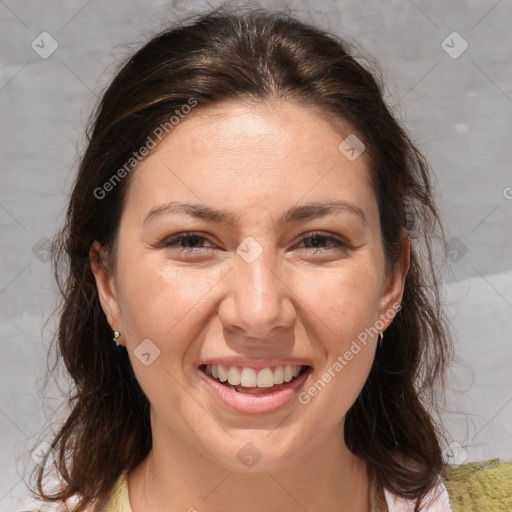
(251, 378)
(223, 373)
(278, 375)
(265, 378)
(248, 378)
(234, 376)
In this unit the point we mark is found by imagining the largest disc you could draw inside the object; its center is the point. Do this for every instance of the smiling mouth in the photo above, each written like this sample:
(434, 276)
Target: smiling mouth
(251, 381)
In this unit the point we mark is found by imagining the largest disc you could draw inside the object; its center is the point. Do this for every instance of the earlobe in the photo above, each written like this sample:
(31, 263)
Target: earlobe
(405, 259)
(105, 284)
(394, 290)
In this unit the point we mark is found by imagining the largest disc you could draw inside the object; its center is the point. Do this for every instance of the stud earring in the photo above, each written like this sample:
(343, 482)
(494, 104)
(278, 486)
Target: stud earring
(116, 337)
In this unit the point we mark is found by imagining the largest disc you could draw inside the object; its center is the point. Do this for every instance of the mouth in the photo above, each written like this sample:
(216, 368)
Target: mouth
(251, 390)
(250, 380)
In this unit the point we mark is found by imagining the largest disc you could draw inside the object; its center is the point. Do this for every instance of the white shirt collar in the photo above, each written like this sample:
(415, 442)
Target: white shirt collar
(437, 500)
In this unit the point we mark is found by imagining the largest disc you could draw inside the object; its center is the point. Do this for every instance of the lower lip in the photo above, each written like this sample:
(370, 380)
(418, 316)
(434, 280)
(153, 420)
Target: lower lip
(256, 404)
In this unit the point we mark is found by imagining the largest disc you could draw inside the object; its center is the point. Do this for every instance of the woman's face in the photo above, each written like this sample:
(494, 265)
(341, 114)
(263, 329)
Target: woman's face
(249, 240)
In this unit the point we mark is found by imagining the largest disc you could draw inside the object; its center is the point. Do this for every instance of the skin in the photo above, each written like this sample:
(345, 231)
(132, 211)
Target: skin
(294, 300)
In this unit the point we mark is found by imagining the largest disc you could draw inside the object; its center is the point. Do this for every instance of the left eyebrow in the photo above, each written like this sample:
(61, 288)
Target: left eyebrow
(295, 214)
(313, 210)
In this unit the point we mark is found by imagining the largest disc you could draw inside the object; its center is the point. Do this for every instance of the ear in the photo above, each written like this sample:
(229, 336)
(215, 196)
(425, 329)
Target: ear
(393, 290)
(105, 282)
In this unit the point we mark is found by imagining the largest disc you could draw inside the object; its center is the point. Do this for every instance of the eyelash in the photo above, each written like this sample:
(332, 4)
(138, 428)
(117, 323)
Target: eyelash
(172, 242)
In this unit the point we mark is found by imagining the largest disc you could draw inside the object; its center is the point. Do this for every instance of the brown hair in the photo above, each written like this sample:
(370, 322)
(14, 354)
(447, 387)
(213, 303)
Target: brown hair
(261, 56)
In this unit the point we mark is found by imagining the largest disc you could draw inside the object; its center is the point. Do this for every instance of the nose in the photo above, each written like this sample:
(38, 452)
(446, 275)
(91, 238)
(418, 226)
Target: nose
(259, 302)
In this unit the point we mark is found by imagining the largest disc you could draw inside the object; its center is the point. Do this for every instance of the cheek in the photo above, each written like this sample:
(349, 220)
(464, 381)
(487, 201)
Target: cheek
(162, 302)
(345, 301)
(343, 306)
(348, 355)
(169, 306)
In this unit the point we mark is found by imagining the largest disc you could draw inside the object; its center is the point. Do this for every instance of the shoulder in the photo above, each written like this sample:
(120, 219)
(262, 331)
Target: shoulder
(118, 501)
(483, 486)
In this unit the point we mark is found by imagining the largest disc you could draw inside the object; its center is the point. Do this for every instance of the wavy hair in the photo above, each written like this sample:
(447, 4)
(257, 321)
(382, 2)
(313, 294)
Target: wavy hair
(255, 55)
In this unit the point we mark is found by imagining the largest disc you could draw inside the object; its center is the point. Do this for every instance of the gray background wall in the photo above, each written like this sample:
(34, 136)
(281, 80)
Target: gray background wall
(457, 103)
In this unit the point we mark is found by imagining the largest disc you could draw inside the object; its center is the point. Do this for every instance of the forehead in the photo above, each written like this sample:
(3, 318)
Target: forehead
(274, 130)
(252, 154)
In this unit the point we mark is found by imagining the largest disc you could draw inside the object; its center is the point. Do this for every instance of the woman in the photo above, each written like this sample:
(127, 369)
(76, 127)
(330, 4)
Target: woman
(252, 227)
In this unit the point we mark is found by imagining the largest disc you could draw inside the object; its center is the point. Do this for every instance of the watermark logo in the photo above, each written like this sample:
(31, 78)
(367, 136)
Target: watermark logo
(455, 249)
(249, 454)
(42, 453)
(147, 352)
(454, 454)
(454, 45)
(44, 45)
(352, 147)
(342, 361)
(42, 249)
(249, 250)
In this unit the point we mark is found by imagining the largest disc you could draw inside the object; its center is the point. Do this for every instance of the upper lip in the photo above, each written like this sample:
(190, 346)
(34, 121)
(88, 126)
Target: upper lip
(257, 364)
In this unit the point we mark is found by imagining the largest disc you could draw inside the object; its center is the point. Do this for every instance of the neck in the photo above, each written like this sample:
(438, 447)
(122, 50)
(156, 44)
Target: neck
(175, 476)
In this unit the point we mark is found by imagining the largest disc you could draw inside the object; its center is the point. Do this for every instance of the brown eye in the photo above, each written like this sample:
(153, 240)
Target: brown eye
(186, 241)
(322, 242)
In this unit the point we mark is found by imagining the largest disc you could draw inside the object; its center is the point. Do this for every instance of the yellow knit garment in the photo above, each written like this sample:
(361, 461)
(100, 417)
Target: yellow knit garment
(478, 486)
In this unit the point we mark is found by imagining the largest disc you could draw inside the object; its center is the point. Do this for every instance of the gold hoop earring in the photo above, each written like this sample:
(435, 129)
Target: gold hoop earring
(117, 334)
(381, 336)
